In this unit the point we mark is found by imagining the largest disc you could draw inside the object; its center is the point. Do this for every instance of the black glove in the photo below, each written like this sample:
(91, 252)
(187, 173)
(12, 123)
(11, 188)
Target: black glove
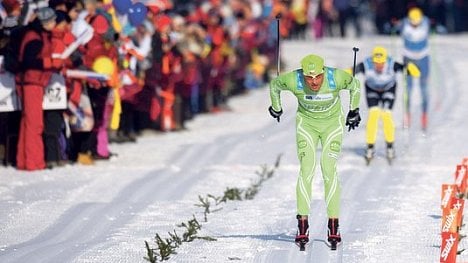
(353, 119)
(275, 114)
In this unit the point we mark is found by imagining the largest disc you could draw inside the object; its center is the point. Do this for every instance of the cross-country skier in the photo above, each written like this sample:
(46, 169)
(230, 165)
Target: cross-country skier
(415, 31)
(319, 118)
(380, 70)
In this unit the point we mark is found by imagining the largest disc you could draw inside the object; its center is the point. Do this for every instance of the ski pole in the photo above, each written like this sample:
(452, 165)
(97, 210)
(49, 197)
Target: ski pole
(278, 59)
(355, 50)
(405, 98)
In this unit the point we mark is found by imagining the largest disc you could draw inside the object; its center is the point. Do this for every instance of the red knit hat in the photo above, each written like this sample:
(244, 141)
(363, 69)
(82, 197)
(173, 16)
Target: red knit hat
(10, 5)
(157, 6)
(162, 21)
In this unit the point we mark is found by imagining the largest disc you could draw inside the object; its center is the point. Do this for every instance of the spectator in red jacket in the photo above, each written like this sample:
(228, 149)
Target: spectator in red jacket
(54, 125)
(37, 67)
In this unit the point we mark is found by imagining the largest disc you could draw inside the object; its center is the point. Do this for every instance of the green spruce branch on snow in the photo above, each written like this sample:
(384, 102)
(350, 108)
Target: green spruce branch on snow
(206, 204)
(165, 247)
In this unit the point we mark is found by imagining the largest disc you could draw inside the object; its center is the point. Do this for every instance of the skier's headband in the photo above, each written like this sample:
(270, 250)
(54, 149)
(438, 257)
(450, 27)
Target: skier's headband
(314, 76)
(312, 66)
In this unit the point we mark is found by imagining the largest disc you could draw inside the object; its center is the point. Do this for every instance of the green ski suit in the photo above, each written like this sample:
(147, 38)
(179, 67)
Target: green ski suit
(319, 118)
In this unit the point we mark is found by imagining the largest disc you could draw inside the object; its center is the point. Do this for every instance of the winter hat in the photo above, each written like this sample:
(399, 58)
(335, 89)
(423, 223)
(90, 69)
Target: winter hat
(312, 65)
(62, 16)
(54, 3)
(162, 22)
(46, 14)
(379, 54)
(415, 15)
(10, 5)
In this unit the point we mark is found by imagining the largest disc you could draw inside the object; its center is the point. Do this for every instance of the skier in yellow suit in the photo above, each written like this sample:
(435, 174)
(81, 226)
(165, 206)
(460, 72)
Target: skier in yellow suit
(380, 71)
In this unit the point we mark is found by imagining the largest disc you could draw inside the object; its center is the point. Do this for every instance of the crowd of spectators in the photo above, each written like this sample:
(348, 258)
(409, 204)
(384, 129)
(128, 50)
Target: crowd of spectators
(135, 66)
(127, 66)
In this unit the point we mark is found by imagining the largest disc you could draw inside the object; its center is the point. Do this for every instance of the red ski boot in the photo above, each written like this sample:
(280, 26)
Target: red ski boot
(424, 122)
(334, 236)
(302, 236)
(407, 120)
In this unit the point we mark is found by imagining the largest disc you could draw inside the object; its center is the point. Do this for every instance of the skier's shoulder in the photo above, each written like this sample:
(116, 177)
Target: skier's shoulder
(426, 21)
(334, 71)
(365, 65)
(337, 75)
(292, 77)
(409, 29)
(285, 80)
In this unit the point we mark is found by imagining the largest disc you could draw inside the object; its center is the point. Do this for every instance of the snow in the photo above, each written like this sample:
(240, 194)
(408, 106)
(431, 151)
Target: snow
(104, 213)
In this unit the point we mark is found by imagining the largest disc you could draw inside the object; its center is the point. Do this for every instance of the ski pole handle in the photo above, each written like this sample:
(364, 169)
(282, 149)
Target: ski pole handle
(355, 50)
(278, 59)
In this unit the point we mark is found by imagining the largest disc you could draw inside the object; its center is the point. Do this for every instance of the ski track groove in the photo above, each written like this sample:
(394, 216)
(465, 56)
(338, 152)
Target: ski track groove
(376, 184)
(73, 228)
(83, 224)
(60, 239)
(61, 242)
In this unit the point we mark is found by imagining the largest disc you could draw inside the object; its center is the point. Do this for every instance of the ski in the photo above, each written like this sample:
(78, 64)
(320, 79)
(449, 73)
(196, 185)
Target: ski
(301, 244)
(302, 235)
(390, 160)
(369, 154)
(390, 155)
(424, 133)
(334, 244)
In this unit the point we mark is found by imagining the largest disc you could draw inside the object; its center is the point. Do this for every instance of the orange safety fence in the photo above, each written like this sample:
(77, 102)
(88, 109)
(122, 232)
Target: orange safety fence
(452, 206)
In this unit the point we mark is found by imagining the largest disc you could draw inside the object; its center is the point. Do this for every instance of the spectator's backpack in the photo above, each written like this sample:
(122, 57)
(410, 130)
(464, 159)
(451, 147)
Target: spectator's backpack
(12, 51)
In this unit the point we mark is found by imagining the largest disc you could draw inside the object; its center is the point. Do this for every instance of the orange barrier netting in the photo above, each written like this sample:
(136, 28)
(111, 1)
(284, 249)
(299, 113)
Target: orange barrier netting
(452, 205)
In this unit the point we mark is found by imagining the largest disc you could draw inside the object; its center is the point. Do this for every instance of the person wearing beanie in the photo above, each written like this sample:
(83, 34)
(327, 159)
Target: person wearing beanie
(102, 44)
(46, 16)
(415, 32)
(12, 20)
(58, 5)
(380, 84)
(12, 7)
(54, 132)
(9, 35)
(319, 118)
(36, 68)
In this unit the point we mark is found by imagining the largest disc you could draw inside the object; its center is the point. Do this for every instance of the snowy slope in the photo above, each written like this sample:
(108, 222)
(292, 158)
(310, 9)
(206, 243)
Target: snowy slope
(105, 213)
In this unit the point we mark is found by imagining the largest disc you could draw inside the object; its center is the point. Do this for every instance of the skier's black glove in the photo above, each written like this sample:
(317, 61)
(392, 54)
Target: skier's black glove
(353, 119)
(275, 114)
